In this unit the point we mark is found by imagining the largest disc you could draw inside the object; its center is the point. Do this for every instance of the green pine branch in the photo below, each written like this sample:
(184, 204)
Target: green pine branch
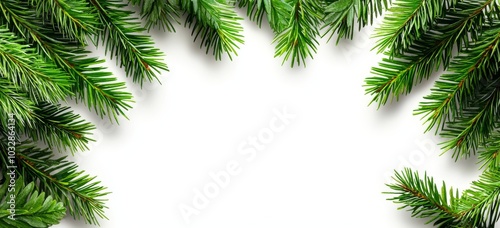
(15, 102)
(121, 35)
(299, 40)
(75, 18)
(277, 12)
(474, 64)
(216, 24)
(59, 128)
(97, 88)
(80, 193)
(397, 74)
(476, 207)
(33, 209)
(424, 199)
(40, 79)
(480, 205)
(489, 152)
(341, 16)
(159, 14)
(405, 22)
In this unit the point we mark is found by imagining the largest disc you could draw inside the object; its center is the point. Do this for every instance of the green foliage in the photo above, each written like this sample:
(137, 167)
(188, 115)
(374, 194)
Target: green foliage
(398, 73)
(341, 16)
(21, 65)
(72, 17)
(33, 209)
(121, 34)
(424, 199)
(299, 39)
(214, 22)
(59, 178)
(277, 12)
(406, 20)
(161, 14)
(462, 37)
(475, 207)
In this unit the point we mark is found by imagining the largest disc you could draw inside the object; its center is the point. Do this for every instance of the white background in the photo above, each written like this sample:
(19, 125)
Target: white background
(327, 168)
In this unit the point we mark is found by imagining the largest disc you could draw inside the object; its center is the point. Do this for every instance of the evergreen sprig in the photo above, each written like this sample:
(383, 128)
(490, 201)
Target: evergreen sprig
(61, 179)
(406, 21)
(216, 23)
(298, 40)
(121, 34)
(478, 206)
(341, 16)
(40, 79)
(424, 199)
(71, 17)
(159, 14)
(462, 37)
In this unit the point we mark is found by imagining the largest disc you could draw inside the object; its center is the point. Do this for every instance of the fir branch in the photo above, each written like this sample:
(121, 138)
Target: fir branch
(398, 74)
(342, 15)
(489, 153)
(121, 36)
(159, 14)
(406, 21)
(96, 87)
(479, 206)
(277, 12)
(298, 40)
(79, 192)
(468, 69)
(476, 122)
(53, 124)
(423, 198)
(33, 209)
(74, 18)
(59, 127)
(13, 101)
(40, 79)
(216, 23)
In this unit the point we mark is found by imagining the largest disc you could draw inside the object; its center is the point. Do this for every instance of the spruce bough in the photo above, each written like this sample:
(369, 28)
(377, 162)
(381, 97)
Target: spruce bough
(44, 60)
(462, 37)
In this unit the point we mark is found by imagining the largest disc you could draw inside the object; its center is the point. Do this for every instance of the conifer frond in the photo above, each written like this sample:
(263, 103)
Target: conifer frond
(424, 199)
(59, 127)
(33, 209)
(396, 75)
(217, 25)
(476, 207)
(474, 64)
(406, 20)
(341, 16)
(480, 205)
(121, 35)
(15, 102)
(477, 121)
(79, 192)
(299, 39)
(96, 87)
(40, 79)
(489, 153)
(53, 124)
(159, 14)
(277, 12)
(74, 18)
